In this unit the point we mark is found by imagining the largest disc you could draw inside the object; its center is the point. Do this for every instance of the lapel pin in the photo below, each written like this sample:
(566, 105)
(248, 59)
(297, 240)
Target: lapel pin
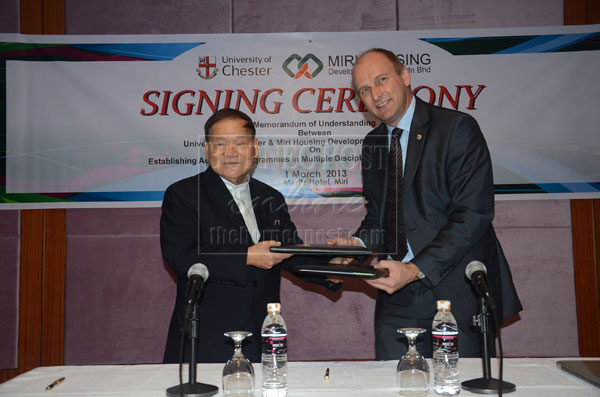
(419, 136)
(277, 222)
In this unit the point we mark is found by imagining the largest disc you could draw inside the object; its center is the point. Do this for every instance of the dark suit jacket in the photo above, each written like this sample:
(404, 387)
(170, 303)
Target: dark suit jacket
(201, 223)
(447, 207)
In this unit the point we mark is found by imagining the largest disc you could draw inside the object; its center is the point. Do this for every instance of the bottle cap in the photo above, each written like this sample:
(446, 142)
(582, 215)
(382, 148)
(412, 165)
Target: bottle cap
(443, 305)
(274, 307)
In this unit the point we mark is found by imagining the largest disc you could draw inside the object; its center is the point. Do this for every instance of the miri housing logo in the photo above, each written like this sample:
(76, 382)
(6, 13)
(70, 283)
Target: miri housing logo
(297, 66)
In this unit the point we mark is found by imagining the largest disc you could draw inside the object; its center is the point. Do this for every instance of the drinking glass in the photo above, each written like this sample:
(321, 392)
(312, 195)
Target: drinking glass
(238, 373)
(412, 373)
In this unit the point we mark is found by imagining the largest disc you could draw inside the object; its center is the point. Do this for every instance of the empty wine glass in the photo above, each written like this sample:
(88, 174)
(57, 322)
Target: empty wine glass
(412, 373)
(238, 373)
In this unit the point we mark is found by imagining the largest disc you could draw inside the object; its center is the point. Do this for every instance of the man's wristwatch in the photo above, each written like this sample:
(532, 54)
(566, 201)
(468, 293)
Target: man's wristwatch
(420, 275)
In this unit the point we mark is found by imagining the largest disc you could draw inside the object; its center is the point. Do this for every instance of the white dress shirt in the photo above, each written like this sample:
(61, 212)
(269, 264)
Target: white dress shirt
(241, 195)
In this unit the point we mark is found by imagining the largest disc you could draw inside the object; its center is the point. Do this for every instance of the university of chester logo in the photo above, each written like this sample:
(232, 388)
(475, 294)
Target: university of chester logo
(207, 67)
(303, 66)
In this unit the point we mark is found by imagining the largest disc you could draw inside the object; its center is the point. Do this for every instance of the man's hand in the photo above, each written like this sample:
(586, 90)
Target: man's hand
(351, 241)
(340, 260)
(401, 274)
(260, 256)
(348, 241)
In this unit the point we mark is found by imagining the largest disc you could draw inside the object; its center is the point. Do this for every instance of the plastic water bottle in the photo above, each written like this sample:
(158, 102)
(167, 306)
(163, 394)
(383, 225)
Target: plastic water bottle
(444, 333)
(274, 353)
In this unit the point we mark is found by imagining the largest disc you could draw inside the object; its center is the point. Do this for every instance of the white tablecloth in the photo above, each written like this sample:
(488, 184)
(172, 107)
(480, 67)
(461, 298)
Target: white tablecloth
(533, 377)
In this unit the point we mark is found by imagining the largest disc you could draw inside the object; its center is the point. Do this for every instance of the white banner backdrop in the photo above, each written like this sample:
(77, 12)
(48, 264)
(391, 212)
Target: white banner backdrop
(99, 121)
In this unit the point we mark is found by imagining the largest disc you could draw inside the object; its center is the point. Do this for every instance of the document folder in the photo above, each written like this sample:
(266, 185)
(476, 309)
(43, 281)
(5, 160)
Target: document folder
(341, 271)
(332, 250)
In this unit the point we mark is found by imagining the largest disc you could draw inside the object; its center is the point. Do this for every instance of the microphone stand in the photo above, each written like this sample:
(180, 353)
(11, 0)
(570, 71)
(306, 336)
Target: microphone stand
(193, 389)
(487, 384)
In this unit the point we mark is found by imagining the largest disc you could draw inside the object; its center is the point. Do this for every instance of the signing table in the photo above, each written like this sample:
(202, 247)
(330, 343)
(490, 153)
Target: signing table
(533, 377)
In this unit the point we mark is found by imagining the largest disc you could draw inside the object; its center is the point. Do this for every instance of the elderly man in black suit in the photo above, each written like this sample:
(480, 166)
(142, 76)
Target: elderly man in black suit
(228, 221)
(428, 185)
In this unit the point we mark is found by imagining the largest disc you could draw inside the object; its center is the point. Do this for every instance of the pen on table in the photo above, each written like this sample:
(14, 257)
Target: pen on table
(326, 377)
(55, 383)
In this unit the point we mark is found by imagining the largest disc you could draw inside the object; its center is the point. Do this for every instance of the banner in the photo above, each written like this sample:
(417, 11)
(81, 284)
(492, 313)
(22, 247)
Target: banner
(111, 121)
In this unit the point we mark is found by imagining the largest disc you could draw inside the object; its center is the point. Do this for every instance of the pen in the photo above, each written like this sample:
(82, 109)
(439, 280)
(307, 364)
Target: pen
(326, 377)
(55, 383)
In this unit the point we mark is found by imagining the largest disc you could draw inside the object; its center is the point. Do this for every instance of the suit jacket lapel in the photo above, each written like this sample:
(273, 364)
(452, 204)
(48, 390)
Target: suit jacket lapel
(416, 139)
(222, 198)
(257, 207)
(381, 159)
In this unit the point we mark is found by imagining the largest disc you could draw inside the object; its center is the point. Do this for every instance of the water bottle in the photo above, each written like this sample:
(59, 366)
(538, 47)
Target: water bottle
(274, 353)
(444, 333)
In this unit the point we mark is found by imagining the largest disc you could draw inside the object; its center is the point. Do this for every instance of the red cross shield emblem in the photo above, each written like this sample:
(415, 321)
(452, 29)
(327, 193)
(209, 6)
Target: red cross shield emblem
(207, 67)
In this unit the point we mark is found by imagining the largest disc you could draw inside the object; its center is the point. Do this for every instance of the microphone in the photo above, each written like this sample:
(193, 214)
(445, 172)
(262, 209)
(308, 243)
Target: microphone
(477, 274)
(197, 275)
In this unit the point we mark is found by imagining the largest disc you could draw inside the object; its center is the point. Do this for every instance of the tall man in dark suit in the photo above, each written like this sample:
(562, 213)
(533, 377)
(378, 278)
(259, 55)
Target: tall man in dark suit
(445, 205)
(226, 220)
